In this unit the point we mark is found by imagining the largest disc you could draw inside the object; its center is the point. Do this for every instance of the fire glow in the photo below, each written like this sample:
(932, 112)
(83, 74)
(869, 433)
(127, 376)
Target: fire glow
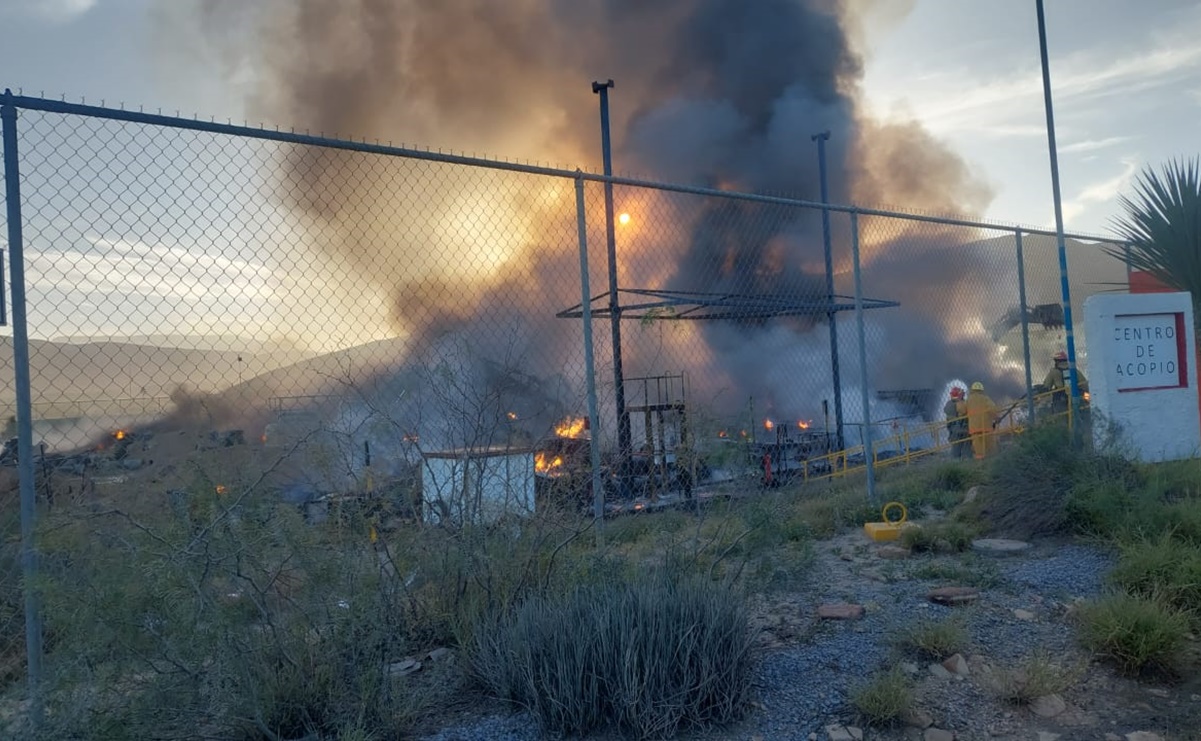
(547, 463)
(571, 427)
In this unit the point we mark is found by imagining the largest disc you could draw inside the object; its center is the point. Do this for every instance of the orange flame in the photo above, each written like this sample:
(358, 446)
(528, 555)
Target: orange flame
(804, 424)
(543, 463)
(722, 433)
(570, 427)
(221, 490)
(512, 415)
(769, 424)
(119, 434)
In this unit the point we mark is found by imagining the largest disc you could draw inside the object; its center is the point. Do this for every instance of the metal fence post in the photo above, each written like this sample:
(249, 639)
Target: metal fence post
(1025, 327)
(831, 315)
(33, 621)
(868, 451)
(598, 491)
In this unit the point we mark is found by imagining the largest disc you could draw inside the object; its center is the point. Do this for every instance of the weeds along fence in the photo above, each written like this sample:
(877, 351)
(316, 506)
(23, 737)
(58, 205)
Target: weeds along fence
(201, 307)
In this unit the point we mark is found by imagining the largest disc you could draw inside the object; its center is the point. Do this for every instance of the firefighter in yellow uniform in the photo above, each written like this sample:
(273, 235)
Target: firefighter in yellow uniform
(1056, 382)
(981, 416)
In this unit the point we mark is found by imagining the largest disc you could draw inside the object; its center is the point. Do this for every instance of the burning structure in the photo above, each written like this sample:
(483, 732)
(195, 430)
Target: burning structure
(484, 258)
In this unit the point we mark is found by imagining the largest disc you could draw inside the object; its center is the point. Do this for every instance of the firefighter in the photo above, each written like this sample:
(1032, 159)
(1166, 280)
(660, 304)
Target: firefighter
(956, 415)
(982, 417)
(1056, 383)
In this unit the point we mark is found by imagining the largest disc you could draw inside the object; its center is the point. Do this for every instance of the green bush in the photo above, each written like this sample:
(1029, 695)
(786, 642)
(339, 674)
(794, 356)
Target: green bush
(1162, 567)
(976, 573)
(1181, 518)
(884, 698)
(956, 477)
(1102, 508)
(940, 537)
(935, 639)
(1136, 633)
(648, 659)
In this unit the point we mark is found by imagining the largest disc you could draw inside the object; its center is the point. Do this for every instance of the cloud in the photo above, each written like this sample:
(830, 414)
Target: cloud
(1092, 145)
(53, 11)
(1103, 191)
(1004, 105)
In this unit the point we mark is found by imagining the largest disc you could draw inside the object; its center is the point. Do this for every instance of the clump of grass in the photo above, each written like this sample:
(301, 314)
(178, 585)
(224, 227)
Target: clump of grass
(935, 639)
(918, 495)
(1102, 508)
(884, 698)
(1181, 518)
(829, 513)
(939, 537)
(956, 477)
(1038, 676)
(649, 659)
(978, 574)
(1162, 567)
(773, 522)
(1138, 634)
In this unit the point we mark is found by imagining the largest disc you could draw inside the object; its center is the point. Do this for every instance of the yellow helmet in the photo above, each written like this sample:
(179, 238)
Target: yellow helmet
(977, 386)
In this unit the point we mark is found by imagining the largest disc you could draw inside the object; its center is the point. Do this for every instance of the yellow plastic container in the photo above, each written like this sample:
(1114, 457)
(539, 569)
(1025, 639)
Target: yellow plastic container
(881, 532)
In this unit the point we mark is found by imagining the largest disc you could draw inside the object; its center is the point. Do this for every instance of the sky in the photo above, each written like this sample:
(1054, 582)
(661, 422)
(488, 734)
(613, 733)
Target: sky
(1127, 87)
(1126, 80)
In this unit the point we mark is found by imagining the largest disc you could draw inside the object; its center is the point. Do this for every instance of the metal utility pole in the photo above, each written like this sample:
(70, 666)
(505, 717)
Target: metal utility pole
(624, 437)
(1074, 393)
(831, 315)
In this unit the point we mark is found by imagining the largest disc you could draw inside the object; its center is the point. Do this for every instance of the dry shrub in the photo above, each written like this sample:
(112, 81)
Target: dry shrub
(1032, 482)
(649, 659)
(1037, 676)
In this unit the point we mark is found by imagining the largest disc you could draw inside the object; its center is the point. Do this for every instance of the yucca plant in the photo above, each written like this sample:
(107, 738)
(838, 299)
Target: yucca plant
(1162, 225)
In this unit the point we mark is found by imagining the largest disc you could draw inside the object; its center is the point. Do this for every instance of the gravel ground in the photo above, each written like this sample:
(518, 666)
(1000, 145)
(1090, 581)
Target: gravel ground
(517, 727)
(800, 689)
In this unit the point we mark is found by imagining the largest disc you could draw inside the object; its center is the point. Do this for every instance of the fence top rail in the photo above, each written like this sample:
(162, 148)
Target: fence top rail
(14, 101)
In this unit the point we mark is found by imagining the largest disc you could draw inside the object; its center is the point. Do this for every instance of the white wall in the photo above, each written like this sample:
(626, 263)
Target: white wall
(1144, 376)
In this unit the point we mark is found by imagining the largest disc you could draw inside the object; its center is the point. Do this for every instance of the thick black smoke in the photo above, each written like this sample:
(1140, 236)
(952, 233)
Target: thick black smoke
(723, 93)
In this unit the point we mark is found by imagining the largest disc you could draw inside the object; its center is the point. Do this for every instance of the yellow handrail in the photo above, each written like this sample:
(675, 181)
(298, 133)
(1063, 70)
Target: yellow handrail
(838, 462)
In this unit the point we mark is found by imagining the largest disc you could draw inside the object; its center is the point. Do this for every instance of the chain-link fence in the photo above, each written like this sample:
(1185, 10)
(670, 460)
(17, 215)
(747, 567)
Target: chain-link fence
(208, 308)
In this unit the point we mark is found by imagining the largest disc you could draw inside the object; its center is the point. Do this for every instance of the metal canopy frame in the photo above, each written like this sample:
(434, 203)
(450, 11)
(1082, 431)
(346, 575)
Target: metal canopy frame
(695, 305)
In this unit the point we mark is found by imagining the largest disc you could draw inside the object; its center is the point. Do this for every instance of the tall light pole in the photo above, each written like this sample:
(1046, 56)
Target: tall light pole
(1074, 388)
(831, 315)
(624, 435)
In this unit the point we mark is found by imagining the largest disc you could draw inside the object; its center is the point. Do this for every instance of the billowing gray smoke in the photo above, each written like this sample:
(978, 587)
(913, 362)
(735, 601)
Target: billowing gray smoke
(724, 93)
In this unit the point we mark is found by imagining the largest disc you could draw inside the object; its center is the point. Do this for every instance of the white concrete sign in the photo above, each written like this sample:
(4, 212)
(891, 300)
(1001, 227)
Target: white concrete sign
(1143, 375)
(1147, 351)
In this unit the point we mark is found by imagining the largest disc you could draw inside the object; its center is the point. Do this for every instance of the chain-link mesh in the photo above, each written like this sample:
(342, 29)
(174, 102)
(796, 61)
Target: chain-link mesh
(259, 292)
(219, 314)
